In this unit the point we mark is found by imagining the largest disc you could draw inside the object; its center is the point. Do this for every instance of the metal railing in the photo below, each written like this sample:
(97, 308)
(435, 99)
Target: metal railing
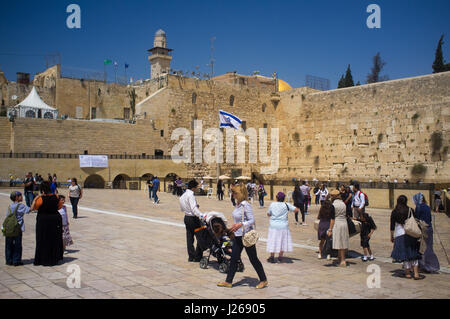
(76, 156)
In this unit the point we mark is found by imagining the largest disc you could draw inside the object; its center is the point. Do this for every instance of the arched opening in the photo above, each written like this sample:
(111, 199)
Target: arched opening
(147, 177)
(39, 114)
(120, 181)
(194, 98)
(94, 181)
(159, 153)
(170, 181)
(30, 113)
(171, 176)
(48, 115)
(264, 107)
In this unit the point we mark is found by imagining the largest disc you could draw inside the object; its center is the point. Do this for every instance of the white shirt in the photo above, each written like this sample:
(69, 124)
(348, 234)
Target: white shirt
(359, 200)
(322, 193)
(305, 189)
(188, 204)
(246, 209)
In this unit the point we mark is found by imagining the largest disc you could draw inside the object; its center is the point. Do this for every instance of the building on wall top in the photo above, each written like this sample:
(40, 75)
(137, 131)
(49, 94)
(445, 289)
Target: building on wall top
(159, 55)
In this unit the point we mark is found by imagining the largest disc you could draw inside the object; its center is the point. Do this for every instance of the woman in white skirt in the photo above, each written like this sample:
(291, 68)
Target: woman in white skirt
(279, 238)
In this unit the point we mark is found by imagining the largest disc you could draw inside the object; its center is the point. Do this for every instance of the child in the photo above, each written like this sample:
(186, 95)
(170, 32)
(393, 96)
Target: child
(67, 238)
(13, 245)
(224, 235)
(367, 228)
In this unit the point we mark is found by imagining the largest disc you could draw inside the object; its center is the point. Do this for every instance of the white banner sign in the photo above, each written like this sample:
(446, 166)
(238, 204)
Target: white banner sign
(93, 161)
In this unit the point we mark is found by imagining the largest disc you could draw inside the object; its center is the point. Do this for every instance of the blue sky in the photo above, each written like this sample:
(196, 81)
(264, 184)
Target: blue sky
(293, 38)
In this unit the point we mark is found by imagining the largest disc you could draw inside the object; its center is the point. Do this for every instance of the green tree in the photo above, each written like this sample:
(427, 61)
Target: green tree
(439, 64)
(374, 75)
(348, 80)
(341, 82)
(358, 84)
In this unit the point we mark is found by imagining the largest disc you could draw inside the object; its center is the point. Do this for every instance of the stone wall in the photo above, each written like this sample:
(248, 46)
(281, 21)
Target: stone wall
(76, 136)
(189, 99)
(376, 131)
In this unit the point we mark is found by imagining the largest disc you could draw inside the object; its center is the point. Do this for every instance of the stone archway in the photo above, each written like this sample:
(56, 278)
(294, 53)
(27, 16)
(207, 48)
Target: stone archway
(94, 181)
(120, 181)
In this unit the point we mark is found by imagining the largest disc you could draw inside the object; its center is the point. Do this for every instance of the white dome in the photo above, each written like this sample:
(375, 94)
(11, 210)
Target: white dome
(160, 32)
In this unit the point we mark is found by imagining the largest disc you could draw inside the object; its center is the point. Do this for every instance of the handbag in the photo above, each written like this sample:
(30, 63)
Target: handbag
(412, 227)
(354, 226)
(316, 224)
(249, 238)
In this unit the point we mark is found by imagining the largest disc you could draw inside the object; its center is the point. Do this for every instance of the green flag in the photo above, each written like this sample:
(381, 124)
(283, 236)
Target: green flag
(108, 62)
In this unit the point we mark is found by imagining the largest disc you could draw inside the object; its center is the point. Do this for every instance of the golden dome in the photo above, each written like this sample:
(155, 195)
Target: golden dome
(283, 86)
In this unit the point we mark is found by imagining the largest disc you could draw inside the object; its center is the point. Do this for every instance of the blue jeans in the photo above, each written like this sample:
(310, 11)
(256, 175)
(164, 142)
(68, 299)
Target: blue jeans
(29, 196)
(155, 197)
(74, 203)
(13, 249)
(150, 194)
(261, 201)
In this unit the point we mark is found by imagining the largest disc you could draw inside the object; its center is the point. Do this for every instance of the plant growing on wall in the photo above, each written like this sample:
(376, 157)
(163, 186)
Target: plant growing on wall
(380, 137)
(418, 170)
(132, 96)
(436, 142)
(316, 161)
(296, 136)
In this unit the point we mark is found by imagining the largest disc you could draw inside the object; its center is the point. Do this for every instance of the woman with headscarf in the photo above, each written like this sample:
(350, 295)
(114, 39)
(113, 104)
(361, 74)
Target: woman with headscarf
(339, 227)
(406, 248)
(429, 262)
(49, 242)
(279, 238)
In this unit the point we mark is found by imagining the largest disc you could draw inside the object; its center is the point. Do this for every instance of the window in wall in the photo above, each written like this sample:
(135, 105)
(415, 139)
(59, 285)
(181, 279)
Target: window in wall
(264, 107)
(232, 100)
(93, 113)
(30, 113)
(126, 113)
(244, 125)
(162, 133)
(265, 125)
(194, 98)
(48, 115)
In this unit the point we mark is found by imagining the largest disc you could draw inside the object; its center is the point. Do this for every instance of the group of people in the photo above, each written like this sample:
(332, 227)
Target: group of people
(52, 227)
(243, 222)
(340, 210)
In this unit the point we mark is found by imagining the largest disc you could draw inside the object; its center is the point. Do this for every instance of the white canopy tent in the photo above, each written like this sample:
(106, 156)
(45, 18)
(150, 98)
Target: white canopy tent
(33, 106)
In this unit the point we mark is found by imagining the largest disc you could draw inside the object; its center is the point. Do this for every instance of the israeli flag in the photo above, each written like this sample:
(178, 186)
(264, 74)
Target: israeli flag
(229, 120)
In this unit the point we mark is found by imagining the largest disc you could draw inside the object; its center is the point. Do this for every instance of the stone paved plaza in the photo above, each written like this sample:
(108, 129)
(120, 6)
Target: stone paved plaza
(127, 247)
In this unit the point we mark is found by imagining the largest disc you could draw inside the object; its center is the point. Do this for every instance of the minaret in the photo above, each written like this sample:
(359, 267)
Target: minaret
(160, 57)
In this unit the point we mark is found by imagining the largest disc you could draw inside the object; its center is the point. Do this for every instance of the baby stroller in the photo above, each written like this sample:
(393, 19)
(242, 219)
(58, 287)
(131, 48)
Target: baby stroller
(217, 240)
